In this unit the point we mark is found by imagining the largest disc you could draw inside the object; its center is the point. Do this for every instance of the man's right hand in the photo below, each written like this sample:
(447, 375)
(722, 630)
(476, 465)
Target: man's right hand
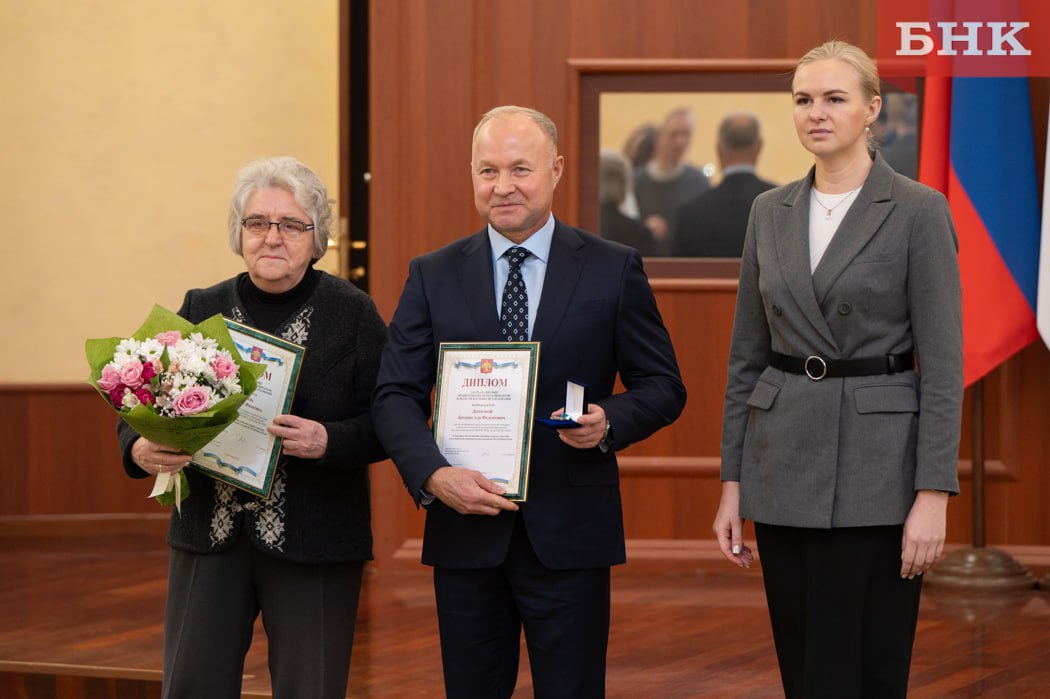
(467, 491)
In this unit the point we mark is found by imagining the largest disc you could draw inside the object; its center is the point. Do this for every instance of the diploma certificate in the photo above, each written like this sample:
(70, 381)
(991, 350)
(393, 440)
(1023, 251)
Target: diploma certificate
(483, 409)
(244, 454)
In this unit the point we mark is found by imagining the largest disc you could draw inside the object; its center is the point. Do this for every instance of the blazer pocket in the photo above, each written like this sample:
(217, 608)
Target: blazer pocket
(585, 307)
(892, 398)
(763, 395)
(873, 259)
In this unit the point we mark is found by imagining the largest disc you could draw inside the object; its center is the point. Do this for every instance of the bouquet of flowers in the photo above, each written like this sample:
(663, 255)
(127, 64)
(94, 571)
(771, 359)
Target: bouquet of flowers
(174, 382)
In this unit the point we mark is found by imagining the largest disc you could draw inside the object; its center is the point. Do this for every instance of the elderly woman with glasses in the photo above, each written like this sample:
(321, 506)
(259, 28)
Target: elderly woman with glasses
(297, 557)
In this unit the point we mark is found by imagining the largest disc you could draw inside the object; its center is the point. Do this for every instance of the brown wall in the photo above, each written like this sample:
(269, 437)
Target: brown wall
(59, 454)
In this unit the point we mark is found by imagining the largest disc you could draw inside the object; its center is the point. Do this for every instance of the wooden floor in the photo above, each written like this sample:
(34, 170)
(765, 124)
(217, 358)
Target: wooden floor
(80, 616)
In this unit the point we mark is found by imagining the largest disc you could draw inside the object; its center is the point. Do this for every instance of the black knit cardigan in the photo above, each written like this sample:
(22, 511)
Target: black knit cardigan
(318, 510)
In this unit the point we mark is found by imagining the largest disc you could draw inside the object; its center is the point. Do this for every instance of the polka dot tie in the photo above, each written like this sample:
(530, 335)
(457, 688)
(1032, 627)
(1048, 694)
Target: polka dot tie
(514, 316)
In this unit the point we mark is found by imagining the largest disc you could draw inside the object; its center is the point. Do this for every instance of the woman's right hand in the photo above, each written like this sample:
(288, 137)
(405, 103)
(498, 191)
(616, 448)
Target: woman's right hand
(729, 528)
(156, 458)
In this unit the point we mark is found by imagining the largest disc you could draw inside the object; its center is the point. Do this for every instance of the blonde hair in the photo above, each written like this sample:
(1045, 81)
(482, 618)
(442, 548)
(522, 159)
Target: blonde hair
(855, 58)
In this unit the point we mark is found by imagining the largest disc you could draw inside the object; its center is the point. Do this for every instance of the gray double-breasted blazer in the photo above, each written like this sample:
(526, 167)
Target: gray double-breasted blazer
(843, 452)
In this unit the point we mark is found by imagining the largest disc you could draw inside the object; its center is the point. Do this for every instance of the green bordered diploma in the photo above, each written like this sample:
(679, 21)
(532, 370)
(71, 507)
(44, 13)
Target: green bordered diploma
(245, 455)
(483, 409)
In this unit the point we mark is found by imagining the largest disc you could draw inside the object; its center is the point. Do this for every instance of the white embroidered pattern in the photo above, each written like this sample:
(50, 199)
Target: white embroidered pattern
(267, 515)
(299, 328)
(226, 506)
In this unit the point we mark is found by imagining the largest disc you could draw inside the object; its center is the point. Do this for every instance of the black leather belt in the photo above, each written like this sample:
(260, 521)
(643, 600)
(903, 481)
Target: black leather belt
(818, 368)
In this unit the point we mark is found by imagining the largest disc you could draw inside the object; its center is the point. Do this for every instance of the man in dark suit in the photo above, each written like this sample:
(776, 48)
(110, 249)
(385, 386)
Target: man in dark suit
(542, 565)
(714, 223)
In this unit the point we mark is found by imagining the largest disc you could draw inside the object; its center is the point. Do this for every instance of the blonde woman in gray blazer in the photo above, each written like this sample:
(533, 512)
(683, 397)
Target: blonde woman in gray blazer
(840, 451)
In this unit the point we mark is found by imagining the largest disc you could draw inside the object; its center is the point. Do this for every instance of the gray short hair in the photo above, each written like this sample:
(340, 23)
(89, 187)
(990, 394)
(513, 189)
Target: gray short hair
(286, 173)
(739, 131)
(539, 118)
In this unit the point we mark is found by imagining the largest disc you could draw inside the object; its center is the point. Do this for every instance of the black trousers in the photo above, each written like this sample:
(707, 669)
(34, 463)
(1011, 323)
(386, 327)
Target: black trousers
(565, 615)
(843, 618)
(308, 611)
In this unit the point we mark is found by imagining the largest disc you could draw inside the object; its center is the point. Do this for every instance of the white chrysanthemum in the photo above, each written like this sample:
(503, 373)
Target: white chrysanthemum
(126, 351)
(208, 374)
(192, 358)
(196, 364)
(130, 400)
(205, 342)
(180, 382)
(181, 349)
(231, 385)
(151, 348)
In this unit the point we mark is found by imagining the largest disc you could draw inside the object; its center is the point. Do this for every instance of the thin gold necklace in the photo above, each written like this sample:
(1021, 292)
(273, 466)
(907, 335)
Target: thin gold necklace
(828, 210)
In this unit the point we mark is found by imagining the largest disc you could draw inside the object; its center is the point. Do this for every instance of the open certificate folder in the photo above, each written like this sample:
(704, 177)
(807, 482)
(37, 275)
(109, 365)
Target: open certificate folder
(483, 409)
(245, 455)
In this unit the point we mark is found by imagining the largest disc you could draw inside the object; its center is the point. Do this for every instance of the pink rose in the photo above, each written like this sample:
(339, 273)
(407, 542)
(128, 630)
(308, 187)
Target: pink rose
(144, 396)
(148, 371)
(169, 337)
(223, 366)
(110, 378)
(191, 401)
(116, 396)
(131, 374)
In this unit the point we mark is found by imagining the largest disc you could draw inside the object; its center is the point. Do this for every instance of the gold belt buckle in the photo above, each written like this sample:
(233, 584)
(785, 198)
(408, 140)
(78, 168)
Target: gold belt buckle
(822, 368)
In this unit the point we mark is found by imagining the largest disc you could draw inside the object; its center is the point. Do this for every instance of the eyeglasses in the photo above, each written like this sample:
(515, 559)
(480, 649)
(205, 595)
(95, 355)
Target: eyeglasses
(288, 227)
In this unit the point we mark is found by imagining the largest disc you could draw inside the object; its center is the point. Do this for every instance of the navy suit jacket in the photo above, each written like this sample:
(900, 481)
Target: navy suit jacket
(597, 318)
(714, 223)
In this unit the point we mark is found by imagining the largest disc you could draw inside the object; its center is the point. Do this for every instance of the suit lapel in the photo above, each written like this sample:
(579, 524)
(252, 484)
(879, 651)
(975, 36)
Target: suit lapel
(791, 222)
(563, 271)
(860, 223)
(474, 267)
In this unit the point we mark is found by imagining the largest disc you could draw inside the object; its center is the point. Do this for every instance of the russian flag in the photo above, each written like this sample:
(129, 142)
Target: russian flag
(1043, 304)
(977, 149)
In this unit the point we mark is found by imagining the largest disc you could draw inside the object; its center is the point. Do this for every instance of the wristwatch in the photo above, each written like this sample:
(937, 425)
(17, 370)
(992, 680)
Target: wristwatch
(606, 443)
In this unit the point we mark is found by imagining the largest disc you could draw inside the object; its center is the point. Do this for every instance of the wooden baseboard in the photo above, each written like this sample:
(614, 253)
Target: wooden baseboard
(27, 527)
(674, 555)
(65, 681)
(681, 555)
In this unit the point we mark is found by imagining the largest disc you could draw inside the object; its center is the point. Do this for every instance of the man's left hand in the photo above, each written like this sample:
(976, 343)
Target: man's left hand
(591, 431)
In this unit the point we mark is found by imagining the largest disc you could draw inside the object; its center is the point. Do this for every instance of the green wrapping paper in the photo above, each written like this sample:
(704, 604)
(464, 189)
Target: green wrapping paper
(187, 433)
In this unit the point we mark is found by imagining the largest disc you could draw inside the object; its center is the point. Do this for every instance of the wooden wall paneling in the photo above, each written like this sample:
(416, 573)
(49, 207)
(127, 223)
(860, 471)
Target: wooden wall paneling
(1029, 523)
(61, 454)
(1015, 509)
(14, 436)
(423, 110)
(670, 481)
(1017, 453)
(395, 519)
